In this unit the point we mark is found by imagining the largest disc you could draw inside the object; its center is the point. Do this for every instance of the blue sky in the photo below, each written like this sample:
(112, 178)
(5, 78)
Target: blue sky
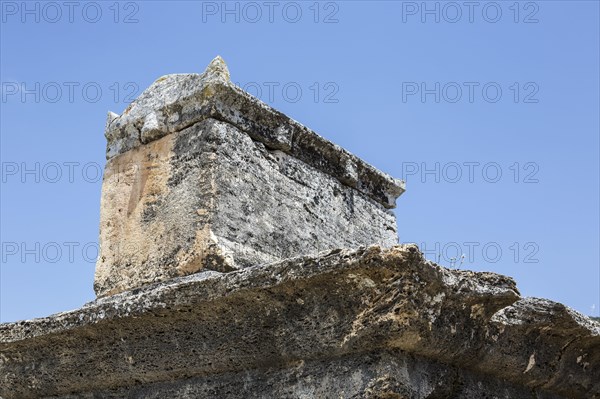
(490, 113)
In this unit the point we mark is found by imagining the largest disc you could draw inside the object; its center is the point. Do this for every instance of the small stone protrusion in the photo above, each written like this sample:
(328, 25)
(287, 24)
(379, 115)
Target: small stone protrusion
(217, 70)
(152, 129)
(109, 119)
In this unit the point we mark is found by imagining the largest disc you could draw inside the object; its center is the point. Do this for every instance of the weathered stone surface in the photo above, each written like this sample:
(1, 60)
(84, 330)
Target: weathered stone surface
(175, 102)
(353, 324)
(202, 175)
(390, 374)
(210, 197)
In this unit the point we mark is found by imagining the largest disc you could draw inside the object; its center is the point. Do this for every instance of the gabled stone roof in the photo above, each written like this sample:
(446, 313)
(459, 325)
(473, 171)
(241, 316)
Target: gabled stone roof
(175, 102)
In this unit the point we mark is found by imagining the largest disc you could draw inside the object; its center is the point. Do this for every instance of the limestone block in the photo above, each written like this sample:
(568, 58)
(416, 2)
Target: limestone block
(201, 175)
(210, 197)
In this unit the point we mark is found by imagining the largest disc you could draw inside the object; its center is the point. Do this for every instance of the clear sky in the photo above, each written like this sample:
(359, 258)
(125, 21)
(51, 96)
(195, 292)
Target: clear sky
(489, 110)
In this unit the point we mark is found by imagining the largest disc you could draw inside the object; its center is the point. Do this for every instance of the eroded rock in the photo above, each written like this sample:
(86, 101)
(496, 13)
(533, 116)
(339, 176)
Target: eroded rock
(309, 326)
(210, 197)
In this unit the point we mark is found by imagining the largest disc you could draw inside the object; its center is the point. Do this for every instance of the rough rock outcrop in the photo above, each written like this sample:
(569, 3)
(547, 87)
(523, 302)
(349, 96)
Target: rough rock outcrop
(368, 323)
(202, 175)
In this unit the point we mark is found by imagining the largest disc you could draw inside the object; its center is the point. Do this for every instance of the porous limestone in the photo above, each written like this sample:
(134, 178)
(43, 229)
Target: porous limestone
(366, 323)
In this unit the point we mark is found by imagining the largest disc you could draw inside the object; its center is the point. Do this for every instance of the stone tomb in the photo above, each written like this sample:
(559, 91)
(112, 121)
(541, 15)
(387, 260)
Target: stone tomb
(203, 176)
(206, 190)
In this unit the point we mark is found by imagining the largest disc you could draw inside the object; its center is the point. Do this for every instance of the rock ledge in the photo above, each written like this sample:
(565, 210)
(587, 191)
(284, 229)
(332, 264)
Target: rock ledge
(369, 322)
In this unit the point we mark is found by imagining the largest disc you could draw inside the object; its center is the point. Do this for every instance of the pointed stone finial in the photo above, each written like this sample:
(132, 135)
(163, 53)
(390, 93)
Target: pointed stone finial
(109, 119)
(217, 69)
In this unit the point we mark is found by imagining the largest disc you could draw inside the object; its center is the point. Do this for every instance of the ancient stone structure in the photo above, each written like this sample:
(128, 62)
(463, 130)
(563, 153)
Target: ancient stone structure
(263, 263)
(202, 176)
